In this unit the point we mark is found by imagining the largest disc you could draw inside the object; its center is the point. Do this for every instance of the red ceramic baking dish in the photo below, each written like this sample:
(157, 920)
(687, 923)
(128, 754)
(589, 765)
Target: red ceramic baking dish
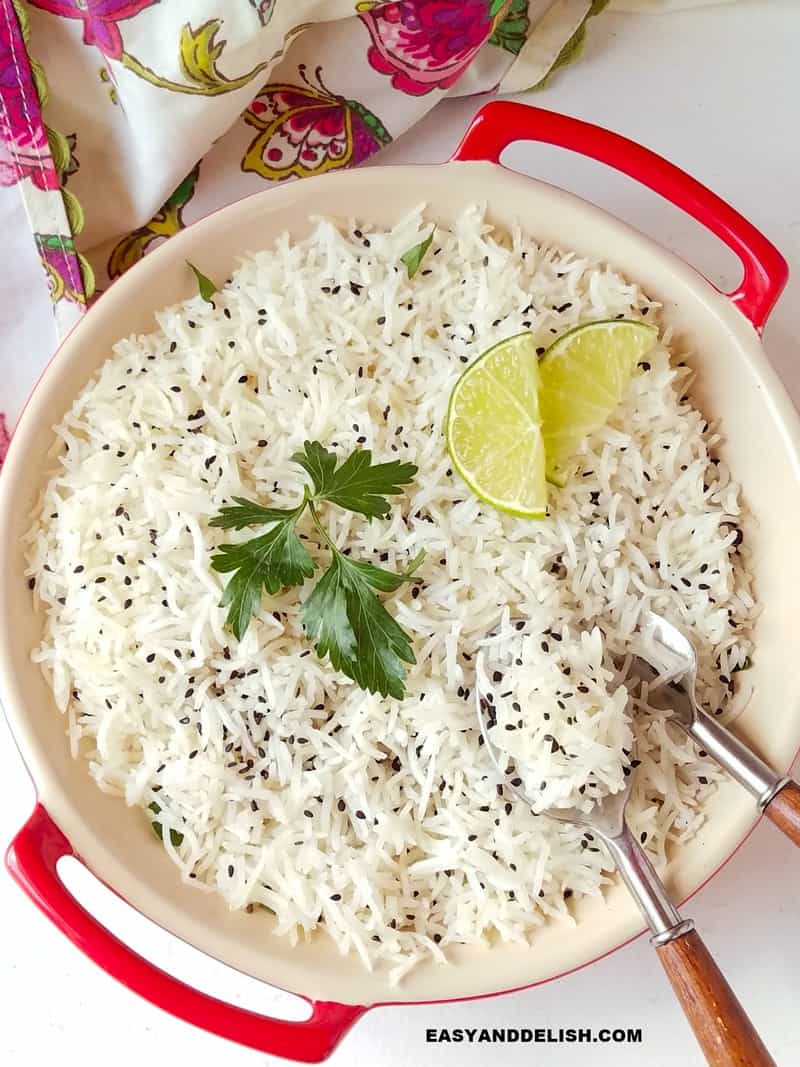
(735, 384)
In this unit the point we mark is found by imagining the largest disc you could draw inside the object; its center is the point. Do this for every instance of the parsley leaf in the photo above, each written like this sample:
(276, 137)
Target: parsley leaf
(175, 836)
(318, 463)
(357, 484)
(352, 627)
(248, 513)
(325, 619)
(343, 613)
(272, 561)
(414, 256)
(205, 286)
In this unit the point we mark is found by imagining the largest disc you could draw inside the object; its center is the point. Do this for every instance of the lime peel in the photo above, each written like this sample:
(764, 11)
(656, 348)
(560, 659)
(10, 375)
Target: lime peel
(583, 376)
(493, 414)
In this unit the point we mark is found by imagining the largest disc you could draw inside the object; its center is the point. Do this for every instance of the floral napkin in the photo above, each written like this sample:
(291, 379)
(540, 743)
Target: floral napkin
(124, 120)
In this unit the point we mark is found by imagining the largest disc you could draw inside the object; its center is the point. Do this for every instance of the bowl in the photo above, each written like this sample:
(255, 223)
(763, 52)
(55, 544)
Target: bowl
(735, 384)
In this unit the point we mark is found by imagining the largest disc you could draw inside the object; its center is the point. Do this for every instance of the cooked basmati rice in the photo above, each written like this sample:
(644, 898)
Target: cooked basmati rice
(380, 822)
(529, 682)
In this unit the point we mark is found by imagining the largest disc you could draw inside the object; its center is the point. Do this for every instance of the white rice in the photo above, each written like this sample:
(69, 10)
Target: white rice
(379, 822)
(556, 716)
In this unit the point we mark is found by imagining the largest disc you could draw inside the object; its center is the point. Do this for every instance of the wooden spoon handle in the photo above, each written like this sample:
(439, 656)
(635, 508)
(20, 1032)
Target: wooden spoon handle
(724, 1032)
(784, 811)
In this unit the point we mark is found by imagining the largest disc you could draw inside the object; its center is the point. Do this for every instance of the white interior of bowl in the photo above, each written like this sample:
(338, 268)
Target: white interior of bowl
(736, 384)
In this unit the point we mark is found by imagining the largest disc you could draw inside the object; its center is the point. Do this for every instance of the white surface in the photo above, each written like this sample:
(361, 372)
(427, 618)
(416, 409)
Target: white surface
(716, 92)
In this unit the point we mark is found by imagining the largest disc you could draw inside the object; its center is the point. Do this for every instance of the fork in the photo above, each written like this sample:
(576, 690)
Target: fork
(721, 1026)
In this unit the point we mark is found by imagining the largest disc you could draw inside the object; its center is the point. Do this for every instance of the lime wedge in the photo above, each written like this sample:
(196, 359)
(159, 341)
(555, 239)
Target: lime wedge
(493, 432)
(583, 377)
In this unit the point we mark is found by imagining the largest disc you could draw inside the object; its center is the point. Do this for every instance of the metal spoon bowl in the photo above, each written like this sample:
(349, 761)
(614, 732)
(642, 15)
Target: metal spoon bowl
(606, 818)
(720, 1024)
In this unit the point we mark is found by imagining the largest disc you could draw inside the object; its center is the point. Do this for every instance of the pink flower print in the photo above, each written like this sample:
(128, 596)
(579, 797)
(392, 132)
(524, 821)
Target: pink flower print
(100, 18)
(26, 156)
(24, 151)
(427, 44)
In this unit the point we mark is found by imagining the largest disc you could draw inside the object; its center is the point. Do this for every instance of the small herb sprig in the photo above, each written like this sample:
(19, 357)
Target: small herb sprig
(412, 259)
(343, 613)
(205, 287)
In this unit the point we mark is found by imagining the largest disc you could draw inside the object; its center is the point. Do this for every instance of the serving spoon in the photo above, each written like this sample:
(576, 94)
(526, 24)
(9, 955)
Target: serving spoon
(721, 1026)
(670, 652)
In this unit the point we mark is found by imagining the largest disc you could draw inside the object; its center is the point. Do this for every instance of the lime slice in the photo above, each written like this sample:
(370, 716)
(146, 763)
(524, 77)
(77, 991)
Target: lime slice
(493, 432)
(583, 377)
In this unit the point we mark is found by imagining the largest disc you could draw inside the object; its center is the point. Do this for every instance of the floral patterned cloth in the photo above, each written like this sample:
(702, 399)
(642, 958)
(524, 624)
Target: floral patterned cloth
(124, 120)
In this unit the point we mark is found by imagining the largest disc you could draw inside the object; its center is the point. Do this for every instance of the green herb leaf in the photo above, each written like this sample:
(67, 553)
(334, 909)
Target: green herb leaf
(205, 286)
(319, 463)
(175, 836)
(387, 581)
(358, 484)
(273, 561)
(325, 619)
(353, 628)
(247, 513)
(414, 256)
(343, 613)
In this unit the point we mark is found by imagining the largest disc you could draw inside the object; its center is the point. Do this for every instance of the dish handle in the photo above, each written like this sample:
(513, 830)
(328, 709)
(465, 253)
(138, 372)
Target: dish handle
(501, 123)
(31, 859)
